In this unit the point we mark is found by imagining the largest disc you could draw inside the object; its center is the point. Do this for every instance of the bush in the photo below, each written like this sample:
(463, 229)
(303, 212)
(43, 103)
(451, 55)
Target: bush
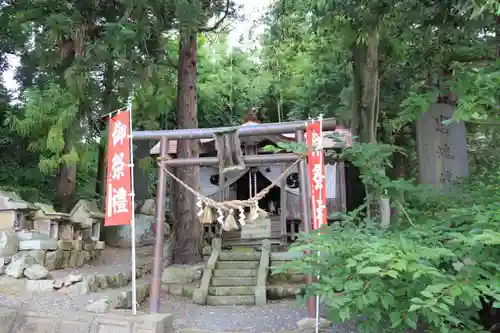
(433, 271)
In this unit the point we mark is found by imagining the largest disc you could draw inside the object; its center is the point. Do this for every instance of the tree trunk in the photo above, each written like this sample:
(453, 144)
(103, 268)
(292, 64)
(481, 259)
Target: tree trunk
(400, 167)
(66, 182)
(366, 109)
(366, 88)
(188, 231)
(108, 105)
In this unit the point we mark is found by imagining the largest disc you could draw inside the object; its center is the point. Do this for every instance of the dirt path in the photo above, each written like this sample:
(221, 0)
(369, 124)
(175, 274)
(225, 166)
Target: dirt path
(274, 317)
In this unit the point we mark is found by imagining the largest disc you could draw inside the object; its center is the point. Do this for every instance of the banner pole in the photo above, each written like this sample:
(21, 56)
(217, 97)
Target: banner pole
(321, 208)
(132, 205)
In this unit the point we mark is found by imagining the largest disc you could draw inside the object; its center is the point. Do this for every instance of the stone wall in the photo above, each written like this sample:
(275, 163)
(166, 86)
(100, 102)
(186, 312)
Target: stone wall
(66, 254)
(182, 280)
(23, 321)
(283, 285)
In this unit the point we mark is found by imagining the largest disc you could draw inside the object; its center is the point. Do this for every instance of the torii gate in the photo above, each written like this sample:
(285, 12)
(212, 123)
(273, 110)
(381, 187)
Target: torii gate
(206, 133)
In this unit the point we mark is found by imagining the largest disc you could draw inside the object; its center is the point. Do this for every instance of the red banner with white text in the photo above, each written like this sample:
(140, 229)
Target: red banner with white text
(118, 186)
(316, 166)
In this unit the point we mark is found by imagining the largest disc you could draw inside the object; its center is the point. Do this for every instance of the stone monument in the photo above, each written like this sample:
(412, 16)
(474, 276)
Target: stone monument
(442, 149)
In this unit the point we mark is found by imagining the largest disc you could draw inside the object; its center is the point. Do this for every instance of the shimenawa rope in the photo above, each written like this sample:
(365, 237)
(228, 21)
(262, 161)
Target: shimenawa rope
(231, 204)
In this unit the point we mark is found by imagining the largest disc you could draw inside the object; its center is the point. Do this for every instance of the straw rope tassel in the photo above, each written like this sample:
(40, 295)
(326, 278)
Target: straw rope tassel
(230, 223)
(207, 217)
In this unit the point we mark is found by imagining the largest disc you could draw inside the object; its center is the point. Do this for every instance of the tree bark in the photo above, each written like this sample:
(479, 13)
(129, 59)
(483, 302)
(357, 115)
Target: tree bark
(188, 232)
(400, 167)
(66, 181)
(366, 87)
(366, 108)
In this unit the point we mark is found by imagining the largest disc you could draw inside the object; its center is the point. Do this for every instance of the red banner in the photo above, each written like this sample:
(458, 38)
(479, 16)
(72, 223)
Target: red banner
(119, 188)
(316, 166)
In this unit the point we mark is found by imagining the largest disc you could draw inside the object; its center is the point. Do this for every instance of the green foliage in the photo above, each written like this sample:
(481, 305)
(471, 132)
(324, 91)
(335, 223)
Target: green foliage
(435, 273)
(434, 267)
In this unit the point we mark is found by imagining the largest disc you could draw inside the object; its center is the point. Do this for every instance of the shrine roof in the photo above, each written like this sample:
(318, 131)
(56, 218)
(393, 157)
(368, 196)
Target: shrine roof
(12, 201)
(328, 142)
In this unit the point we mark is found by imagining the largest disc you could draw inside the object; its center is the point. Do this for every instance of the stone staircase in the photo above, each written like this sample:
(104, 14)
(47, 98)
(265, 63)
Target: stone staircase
(234, 279)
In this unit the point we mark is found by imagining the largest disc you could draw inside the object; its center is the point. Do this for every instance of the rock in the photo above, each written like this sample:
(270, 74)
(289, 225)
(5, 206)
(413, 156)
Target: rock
(38, 256)
(40, 285)
(120, 236)
(100, 245)
(182, 274)
(118, 280)
(58, 284)
(38, 244)
(77, 244)
(87, 246)
(73, 259)
(80, 258)
(100, 306)
(102, 281)
(308, 325)
(19, 263)
(92, 283)
(53, 259)
(87, 255)
(72, 279)
(124, 300)
(65, 259)
(66, 245)
(3, 264)
(5, 261)
(148, 207)
(175, 289)
(36, 272)
(9, 243)
(79, 288)
(275, 292)
(207, 250)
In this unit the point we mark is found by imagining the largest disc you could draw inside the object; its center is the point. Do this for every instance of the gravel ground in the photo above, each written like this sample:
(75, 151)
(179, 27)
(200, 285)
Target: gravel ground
(273, 317)
(112, 260)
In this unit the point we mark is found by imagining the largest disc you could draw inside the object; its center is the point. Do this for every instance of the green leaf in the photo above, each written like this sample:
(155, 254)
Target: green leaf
(414, 307)
(437, 288)
(392, 273)
(344, 314)
(411, 322)
(370, 270)
(396, 318)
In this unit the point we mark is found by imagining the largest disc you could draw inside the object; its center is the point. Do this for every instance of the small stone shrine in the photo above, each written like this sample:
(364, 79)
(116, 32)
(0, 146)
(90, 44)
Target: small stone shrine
(14, 211)
(36, 234)
(90, 218)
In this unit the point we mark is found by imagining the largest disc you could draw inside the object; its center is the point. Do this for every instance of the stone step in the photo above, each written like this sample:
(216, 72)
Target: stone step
(231, 291)
(235, 272)
(239, 256)
(233, 281)
(231, 300)
(237, 264)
